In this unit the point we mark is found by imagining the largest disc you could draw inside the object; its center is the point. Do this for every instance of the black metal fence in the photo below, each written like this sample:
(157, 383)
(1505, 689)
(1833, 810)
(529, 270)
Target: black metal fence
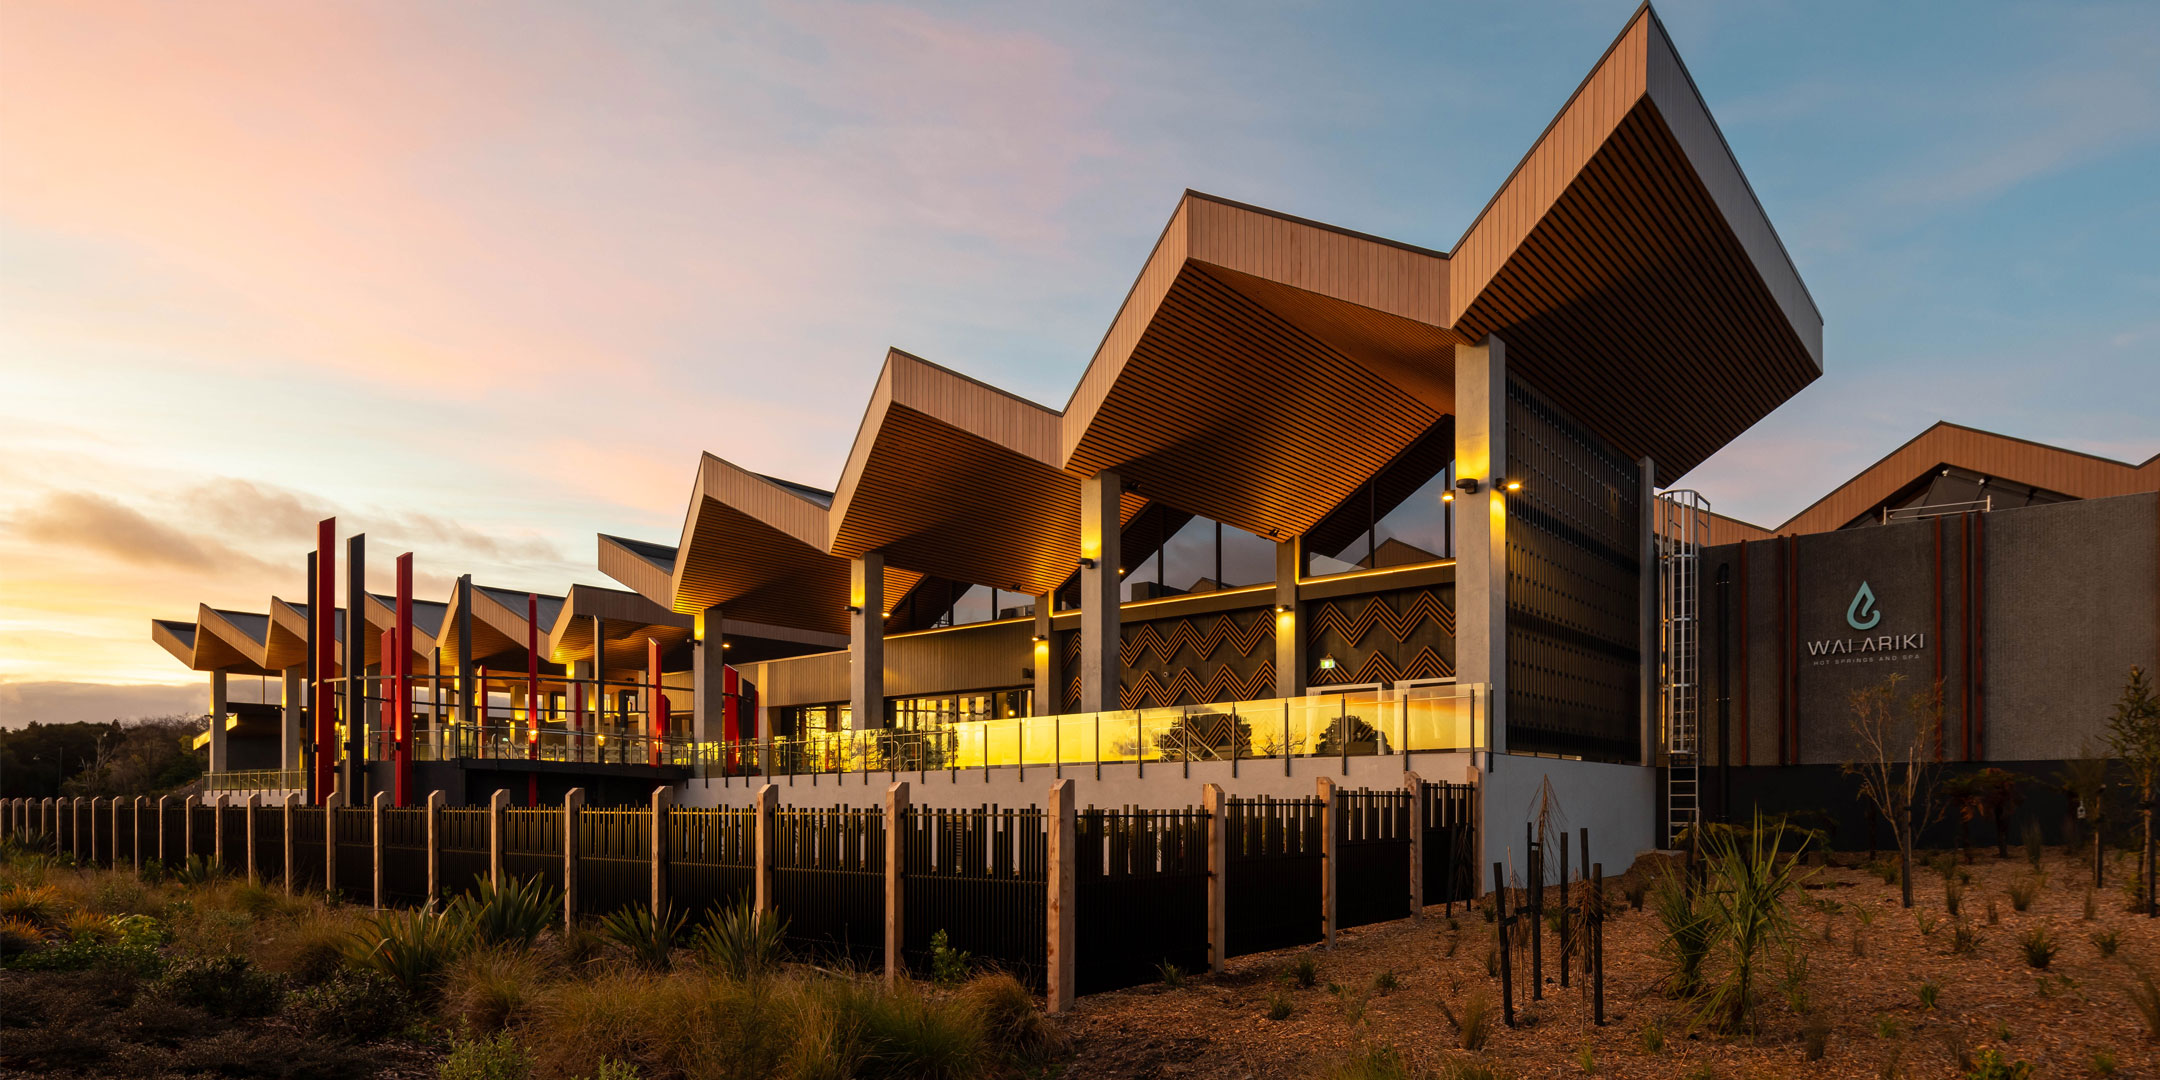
(101, 831)
(1372, 831)
(532, 845)
(202, 832)
(981, 876)
(829, 881)
(712, 860)
(461, 834)
(1448, 814)
(614, 860)
(405, 856)
(355, 853)
(1272, 880)
(123, 833)
(1141, 893)
(269, 840)
(309, 856)
(232, 822)
(172, 833)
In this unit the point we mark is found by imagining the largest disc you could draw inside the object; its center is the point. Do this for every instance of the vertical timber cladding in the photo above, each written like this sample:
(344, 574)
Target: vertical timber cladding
(1382, 637)
(1574, 586)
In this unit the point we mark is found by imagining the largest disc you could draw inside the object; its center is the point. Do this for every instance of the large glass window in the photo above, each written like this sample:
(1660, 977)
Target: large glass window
(1380, 526)
(932, 713)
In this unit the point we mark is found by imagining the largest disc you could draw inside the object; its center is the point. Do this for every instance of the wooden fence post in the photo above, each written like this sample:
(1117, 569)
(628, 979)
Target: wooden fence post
(768, 806)
(663, 799)
(1218, 878)
(139, 801)
(329, 817)
(435, 800)
(896, 805)
(1064, 868)
(1597, 943)
(1414, 789)
(573, 801)
(375, 837)
(498, 823)
(75, 829)
(187, 828)
(1475, 780)
(161, 801)
(292, 801)
(254, 803)
(1330, 860)
(93, 830)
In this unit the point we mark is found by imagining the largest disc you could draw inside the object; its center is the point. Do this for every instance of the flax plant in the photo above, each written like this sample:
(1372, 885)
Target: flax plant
(1744, 901)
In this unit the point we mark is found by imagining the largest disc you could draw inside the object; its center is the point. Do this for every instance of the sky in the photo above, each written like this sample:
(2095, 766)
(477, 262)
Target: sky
(483, 279)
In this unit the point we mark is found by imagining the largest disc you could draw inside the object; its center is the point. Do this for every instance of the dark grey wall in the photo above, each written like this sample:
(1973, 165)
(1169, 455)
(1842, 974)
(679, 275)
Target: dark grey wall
(2063, 601)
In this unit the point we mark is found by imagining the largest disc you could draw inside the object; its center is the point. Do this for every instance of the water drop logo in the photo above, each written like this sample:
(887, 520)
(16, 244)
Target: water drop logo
(1861, 614)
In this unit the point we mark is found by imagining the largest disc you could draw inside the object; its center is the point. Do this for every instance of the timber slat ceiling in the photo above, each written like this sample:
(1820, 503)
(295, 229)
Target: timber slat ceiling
(627, 619)
(1262, 367)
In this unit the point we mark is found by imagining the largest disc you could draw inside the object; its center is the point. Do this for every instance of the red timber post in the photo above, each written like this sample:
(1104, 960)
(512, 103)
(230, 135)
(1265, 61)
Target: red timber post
(322, 631)
(402, 769)
(532, 678)
(1940, 734)
(655, 704)
(386, 732)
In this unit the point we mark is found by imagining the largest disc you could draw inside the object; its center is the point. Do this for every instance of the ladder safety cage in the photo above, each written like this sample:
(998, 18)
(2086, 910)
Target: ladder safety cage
(1682, 520)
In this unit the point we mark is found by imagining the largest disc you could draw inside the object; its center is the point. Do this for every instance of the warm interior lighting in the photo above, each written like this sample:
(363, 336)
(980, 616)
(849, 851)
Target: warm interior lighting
(727, 644)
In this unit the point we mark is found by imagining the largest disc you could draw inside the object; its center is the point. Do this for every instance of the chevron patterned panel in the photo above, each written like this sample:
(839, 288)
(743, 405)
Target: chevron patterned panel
(1416, 638)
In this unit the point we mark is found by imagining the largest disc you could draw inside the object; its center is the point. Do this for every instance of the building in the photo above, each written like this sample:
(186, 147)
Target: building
(1322, 504)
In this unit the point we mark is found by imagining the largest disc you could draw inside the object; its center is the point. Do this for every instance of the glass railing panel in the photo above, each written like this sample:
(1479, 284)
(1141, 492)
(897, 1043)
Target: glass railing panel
(1041, 740)
(1162, 734)
(1120, 740)
(1363, 726)
(1439, 720)
(1076, 738)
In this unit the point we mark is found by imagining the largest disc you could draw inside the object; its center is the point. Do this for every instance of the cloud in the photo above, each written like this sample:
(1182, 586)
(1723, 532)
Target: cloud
(105, 525)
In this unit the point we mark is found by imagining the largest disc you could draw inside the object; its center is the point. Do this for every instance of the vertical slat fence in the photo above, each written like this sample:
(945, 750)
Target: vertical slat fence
(1272, 891)
(405, 856)
(614, 863)
(980, 876)
(462, 833)
(1142, 895)
(711, 858)
(829, 882)
(1375, 845)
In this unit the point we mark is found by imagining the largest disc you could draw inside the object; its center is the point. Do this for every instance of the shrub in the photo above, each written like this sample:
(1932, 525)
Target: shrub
(1886, 1027)
(1473, 1029)
(1173, 976)
(1386, 982)
(351, 1006)
(515, 914)
(2102, 1062)
(1013, 1028)
(1652, 1037)
(1989, 1065)
(1964, 938)
(494, 1058)
(2039, 949)
(853, 1027)
(1278, 1006)
(2107, 940)
(740, 942)
(2022, 892)
(950, 966)
(411, 948)
(489, 988)
(129, 943)
(1688, 934)
(38, 905)
(1372, 1063)
(1305, 972)
(1586, 1060)
(1927, 923)
(650, 939)
(226, 986)
(308, 949)
(1930, 991)
(18, 936)
(2145, 996)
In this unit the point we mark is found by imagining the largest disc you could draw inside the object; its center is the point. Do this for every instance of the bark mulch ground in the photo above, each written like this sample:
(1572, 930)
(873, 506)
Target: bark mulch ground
(1866, 960)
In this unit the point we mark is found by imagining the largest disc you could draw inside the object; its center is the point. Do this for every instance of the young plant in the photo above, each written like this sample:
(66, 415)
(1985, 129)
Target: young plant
(2133, 737)
(515, 914)
(1886, 1027)
(1278, 1006)
(1994, 917)
(741, 942)
(1953, 894)
(649, 939)
(1895, 765)
(1929, 992)
(2102, 1062)
(1386, 982)
(2035, 844)
(1173, 976)
(1305, 972)
(1964, 938)
(412, 948)
(2145, 996)
(951, 967)
(1586, 1060)
(1653, 1037)
(2106, 940)
(1688, 937)
(1473, 1028)
(2039, 948)
(2022, 893)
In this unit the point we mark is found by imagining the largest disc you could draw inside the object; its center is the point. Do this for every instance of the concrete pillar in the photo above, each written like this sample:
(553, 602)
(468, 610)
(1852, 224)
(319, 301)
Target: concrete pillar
(896, 804)
(140, 802)
(768, 807)
(1049, 700)
(375, 841)
(219, 760)
(163, 845)
(1064, 872)
(708, 665)
(1330, 860)
(1289, 636)
(1218, 868)
(866, 641)
(292, 803)
(254, 872)
(187, 828)
(573, 802)
(435, 801)
(1651, 635)
(1101, 549)
(78, 835)
(292, 689)
(663, 799)
(1481, 529)
(331, 805)
(498, 821)
(1415, 787)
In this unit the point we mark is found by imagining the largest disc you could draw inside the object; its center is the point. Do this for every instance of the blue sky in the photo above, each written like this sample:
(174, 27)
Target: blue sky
(484, 280)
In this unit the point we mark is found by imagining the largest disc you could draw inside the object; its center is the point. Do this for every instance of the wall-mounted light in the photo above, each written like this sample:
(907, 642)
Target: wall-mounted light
(1468, 485)
(1514, 485)
(1086, 563)
(853, 609)
(1447, 496)
(1041, 638)
(1282, 609)
(727, 644)
(1327, 663)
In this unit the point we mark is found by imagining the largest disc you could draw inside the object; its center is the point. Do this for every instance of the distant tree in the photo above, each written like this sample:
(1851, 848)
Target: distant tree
(142, 757)
(2133, 738)
(1897, 776)
(2083, 780)
(1991, 793)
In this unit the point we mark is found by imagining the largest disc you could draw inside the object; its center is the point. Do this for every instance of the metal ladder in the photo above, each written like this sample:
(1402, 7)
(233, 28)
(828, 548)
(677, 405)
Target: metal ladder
(1682, 522)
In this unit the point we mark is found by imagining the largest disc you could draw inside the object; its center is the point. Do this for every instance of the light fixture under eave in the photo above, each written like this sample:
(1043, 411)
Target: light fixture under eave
(1447, 496)
(1282, 609)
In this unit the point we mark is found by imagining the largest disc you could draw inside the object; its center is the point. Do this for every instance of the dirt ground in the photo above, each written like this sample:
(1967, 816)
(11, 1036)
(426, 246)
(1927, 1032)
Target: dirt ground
(1216, 1026)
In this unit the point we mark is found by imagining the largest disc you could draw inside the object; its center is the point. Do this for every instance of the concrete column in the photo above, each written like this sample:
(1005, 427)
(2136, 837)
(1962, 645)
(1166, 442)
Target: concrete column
(1064, 872)
(663, 799)
(76, 832)
(290, 723)
(254, 806)
(375, 840)
(292, 803)
(708, 665)
(1218, 868)
(1101, 549)
(1481, 529)
(435, 801)
(866, 641)
(1651, 636)
(498, 814)
(331, 806)
(768, 806)
(162, 845)
(1049, 700)
(140, 802)
(1330, 860)
(1289, 636)
(1414, 787)
(573, 802)
(187, 828)
(896, 804)
(219, 760)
